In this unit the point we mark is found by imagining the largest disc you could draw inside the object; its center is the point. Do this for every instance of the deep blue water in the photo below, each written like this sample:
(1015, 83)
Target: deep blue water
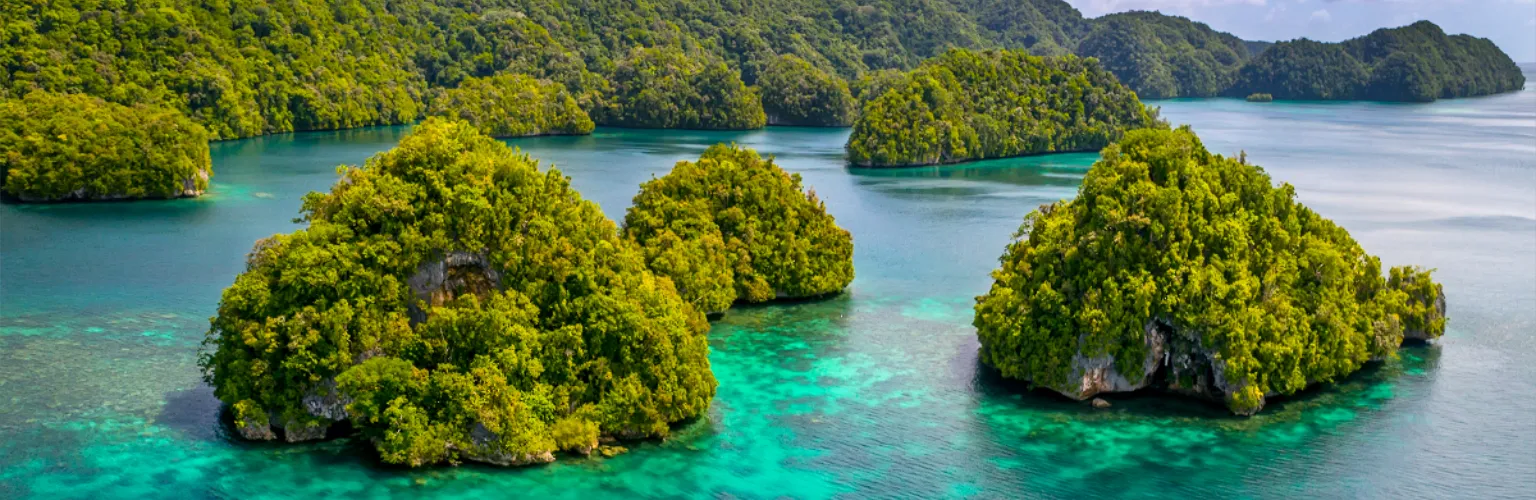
(874, 393)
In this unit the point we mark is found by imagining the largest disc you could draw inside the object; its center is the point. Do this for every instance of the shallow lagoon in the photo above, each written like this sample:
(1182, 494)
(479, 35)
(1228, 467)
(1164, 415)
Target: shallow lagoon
(875, 393)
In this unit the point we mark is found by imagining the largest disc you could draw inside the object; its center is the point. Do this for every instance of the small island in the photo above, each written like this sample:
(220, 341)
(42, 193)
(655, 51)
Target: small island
(513, 105)
(766, 239)
(1181, 270)
(798, 94)
(667, 87)
(1260, 97)
(971, 105)
(453, 302)
(74, 147)
(1414, 63)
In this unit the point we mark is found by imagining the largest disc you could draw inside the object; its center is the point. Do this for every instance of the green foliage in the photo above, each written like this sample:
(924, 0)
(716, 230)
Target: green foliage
(72, 146)
(666, 87)
(1418, 62)
(1164, 56)
(1260, 97)
(969, 105)
(1163, 230)
(797, 93)
(465, 302)
(735, 227)
(262, 66)
(513, 105)
(1423, 311)
(1043, 27)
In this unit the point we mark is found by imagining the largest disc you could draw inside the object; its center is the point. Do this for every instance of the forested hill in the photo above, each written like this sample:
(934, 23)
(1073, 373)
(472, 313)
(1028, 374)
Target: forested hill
(1418, 62)
(1165, 56)
(264, 66)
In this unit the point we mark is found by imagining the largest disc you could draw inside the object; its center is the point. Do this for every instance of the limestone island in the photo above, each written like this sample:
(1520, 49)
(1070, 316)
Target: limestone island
(734, 227)
(513, 105)
(668, 87)
(797, 93)
(971, 105)
(74, 147)
(1181, 270)
(453, 302)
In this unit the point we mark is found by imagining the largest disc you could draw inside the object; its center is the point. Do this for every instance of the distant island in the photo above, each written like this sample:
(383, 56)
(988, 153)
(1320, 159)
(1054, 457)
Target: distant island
(1181, 270)
(1416, 63)
(259, 67)
(970, 105)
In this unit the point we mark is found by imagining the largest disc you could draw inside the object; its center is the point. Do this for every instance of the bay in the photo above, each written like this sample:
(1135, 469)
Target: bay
(873, 393)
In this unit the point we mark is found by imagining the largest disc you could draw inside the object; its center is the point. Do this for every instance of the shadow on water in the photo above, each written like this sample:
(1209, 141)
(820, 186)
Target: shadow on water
(196, 413)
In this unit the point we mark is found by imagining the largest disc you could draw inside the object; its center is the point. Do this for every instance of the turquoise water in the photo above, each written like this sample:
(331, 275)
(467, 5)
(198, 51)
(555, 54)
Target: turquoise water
(874, 393)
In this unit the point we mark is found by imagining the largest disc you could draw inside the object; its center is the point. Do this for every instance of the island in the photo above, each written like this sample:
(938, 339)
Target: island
(667, 87)
(74, 147)
(1181, 270)
(1259, 97)
(971, 105)
(451, 301)
(734, 227)
(1414, 63)
(513, 105)
(799, 94)
(1161, 56)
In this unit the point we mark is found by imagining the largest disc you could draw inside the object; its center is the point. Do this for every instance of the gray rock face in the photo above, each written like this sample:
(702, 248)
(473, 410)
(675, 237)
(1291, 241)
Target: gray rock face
(484, 450)
(439, 281)
(326, 402)
(295, 432)
(252, 432)
(1421, 335)
(1176, 360)
(1097, 375)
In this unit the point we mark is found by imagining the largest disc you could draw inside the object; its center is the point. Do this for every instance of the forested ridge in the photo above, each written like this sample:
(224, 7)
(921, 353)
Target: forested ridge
(1418, 62)
(970, 105)
(256, 67)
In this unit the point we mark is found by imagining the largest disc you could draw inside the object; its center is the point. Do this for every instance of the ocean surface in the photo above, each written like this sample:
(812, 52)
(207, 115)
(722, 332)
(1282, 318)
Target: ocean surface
(874, 393)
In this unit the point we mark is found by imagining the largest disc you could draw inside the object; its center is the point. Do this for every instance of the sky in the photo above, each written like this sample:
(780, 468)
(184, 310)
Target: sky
(1511, 24)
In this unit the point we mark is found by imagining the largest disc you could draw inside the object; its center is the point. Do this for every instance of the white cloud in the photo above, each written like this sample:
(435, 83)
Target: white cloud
(1321, 15)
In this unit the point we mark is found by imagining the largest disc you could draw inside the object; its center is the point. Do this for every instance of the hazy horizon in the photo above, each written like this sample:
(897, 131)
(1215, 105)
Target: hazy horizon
(1510, 24)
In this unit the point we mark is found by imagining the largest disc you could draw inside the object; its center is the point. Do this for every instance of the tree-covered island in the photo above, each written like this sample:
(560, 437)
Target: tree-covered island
(1178, 269)
(1418, 62)
(798, 93)
(734, 227)
(971, 105)
(513, 105)
(453, 302)
(74, 147)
